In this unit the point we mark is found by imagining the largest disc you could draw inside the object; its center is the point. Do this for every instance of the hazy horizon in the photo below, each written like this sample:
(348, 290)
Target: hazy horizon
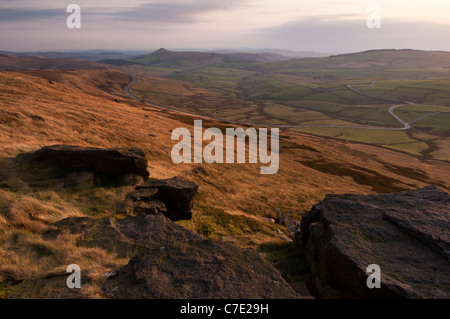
(326, 26)
(213, 50)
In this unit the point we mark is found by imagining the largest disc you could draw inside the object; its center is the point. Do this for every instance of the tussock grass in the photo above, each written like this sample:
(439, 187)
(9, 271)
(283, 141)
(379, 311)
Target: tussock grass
(47, 210)
(26, 255)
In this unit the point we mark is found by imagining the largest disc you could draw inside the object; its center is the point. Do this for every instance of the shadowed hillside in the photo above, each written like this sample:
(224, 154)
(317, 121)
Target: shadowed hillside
(175, 59)
(10, 62)
(166, 58)
(376, 59)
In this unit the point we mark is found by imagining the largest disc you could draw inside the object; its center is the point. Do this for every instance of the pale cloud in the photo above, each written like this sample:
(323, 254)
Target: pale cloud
(320, 25)
(23, 14)
(344, 33)
(176, 11)
(168, 11)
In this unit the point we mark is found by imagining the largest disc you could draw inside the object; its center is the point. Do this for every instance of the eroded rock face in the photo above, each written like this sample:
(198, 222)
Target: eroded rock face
(169, 261)
(106, 163)
(407, 234)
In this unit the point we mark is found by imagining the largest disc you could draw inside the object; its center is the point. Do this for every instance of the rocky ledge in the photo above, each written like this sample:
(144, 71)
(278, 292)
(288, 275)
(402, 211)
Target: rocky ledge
(108, 164)
(406, 234)
(176, 193)
(169, 261)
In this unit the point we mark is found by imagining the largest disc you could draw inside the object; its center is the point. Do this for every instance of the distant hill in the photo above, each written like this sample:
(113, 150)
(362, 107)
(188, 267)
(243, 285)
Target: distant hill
(254, 57)
(375, 59)
(285, 53)
(398, 59)
(91, 55)
(174, 59)
(118, 62)
(14, 63)
(166, 58)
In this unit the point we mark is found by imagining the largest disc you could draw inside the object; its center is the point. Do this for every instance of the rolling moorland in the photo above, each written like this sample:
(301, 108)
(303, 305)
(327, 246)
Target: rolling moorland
(71, 101)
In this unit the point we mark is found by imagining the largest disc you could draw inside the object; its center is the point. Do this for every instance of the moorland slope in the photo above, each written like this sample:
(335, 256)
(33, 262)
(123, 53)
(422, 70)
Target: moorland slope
(234, 203)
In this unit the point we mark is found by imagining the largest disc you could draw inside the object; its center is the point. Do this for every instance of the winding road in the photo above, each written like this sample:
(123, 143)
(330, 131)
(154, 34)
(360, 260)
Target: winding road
(406, 125)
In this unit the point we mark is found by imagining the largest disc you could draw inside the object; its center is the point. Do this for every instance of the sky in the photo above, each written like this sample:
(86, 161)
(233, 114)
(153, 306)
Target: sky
(331, 26)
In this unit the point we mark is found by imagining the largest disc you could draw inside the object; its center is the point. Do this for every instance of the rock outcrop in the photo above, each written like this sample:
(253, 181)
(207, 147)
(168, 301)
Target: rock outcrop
(176, 193)
(82, 167)
(108, 164)
(407, 234)
(169, 261)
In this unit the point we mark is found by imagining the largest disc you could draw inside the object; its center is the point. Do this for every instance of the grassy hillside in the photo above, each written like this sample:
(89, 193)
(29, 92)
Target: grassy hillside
(235, 203)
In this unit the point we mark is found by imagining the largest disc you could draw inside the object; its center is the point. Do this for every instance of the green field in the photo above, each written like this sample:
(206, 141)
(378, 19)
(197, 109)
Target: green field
(313, 91)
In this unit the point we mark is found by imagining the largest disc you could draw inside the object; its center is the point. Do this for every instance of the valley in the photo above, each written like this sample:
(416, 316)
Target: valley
(332, 97)
(359, 124)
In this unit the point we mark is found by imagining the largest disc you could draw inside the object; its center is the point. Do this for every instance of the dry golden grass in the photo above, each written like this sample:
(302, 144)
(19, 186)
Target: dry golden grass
(35, 113)
(41, 209)
(109, 84)
(4, 224)
(24, 254)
